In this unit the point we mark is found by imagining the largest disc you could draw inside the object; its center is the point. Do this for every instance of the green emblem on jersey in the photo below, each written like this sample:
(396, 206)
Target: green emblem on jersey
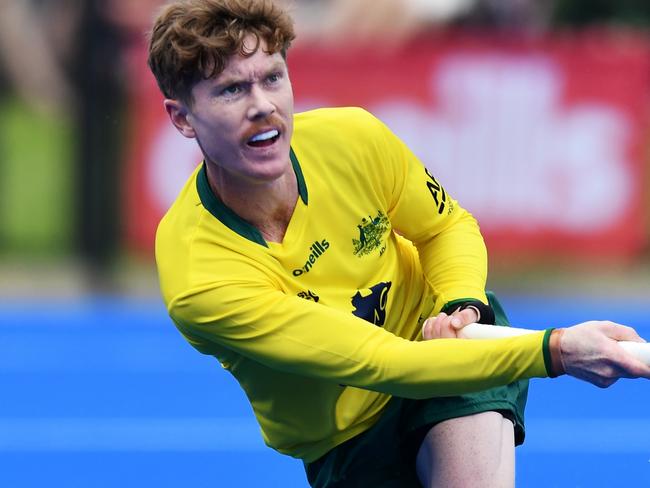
(371, 231)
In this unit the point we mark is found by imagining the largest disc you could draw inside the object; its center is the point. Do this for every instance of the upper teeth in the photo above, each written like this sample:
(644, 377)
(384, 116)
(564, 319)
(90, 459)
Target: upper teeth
(265, 135)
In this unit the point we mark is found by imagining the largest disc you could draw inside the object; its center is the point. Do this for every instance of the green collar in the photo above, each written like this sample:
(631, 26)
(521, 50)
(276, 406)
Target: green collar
(218, 209)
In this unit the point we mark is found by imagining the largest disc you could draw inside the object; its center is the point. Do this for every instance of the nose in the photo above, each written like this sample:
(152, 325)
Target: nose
(261, 105)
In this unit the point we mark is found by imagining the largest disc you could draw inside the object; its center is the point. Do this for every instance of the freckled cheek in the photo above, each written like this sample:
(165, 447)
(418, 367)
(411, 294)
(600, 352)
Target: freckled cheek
(287, 104)
(220, 132)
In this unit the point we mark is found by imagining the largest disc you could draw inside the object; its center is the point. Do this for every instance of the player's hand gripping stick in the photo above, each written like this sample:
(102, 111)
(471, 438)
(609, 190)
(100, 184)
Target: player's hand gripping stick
(640, 350)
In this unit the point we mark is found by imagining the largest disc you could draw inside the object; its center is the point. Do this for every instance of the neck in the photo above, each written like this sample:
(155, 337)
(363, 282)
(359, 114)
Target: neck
(267, 206)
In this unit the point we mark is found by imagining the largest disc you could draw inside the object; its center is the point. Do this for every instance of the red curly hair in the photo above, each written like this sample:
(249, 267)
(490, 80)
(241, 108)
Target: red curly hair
(192, 40)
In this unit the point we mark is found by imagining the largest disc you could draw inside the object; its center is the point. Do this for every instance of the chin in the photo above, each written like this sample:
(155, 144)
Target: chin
(270, 169)
(269, 175)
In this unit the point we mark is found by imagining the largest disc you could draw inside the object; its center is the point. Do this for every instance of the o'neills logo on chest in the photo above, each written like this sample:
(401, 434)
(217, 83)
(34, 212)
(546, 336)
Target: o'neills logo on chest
(317, 250)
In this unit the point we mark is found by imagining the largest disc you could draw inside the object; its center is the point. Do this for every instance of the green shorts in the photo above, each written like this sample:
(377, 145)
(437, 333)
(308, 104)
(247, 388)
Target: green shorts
(384, 455)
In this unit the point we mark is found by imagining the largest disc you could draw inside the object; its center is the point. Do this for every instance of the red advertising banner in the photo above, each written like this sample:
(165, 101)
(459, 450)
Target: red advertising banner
(541, 139)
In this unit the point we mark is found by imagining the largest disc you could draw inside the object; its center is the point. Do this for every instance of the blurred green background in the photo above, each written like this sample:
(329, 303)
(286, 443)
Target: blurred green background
(37, 182)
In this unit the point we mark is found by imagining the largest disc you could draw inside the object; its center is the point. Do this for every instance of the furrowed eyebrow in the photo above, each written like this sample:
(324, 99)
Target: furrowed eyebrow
(226, 82)
(229, 80)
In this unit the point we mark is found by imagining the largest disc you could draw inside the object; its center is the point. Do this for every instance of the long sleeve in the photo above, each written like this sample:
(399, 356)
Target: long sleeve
(300, 337)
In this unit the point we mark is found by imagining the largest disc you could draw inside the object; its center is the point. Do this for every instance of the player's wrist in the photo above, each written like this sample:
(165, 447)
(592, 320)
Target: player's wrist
(555, 351)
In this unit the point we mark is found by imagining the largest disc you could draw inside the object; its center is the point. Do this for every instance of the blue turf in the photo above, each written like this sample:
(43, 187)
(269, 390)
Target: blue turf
(105, 393)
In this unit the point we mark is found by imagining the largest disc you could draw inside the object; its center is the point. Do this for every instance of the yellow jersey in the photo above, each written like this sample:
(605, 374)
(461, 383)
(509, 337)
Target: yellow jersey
(321, 329)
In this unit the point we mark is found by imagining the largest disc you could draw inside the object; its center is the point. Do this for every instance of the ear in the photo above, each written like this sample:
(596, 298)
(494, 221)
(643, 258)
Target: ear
(178, 113)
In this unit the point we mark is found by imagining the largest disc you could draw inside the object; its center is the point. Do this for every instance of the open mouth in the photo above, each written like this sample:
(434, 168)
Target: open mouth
(264, 139)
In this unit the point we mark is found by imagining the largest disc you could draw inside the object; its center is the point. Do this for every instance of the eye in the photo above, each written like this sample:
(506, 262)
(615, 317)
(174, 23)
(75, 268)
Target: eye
(231, 90)
(273, 78)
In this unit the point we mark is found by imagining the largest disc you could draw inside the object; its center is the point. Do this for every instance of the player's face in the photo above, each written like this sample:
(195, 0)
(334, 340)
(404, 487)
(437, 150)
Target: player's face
(243, 117)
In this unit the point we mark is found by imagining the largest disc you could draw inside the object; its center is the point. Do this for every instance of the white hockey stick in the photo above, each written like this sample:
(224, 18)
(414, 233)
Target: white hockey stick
(640, 350)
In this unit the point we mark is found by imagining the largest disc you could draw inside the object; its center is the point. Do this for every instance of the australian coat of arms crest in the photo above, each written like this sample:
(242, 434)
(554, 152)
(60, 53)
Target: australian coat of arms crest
(371, 231)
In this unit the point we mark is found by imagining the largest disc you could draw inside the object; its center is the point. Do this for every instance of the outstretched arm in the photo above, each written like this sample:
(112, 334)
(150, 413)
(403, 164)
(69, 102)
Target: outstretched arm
(599, 352)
